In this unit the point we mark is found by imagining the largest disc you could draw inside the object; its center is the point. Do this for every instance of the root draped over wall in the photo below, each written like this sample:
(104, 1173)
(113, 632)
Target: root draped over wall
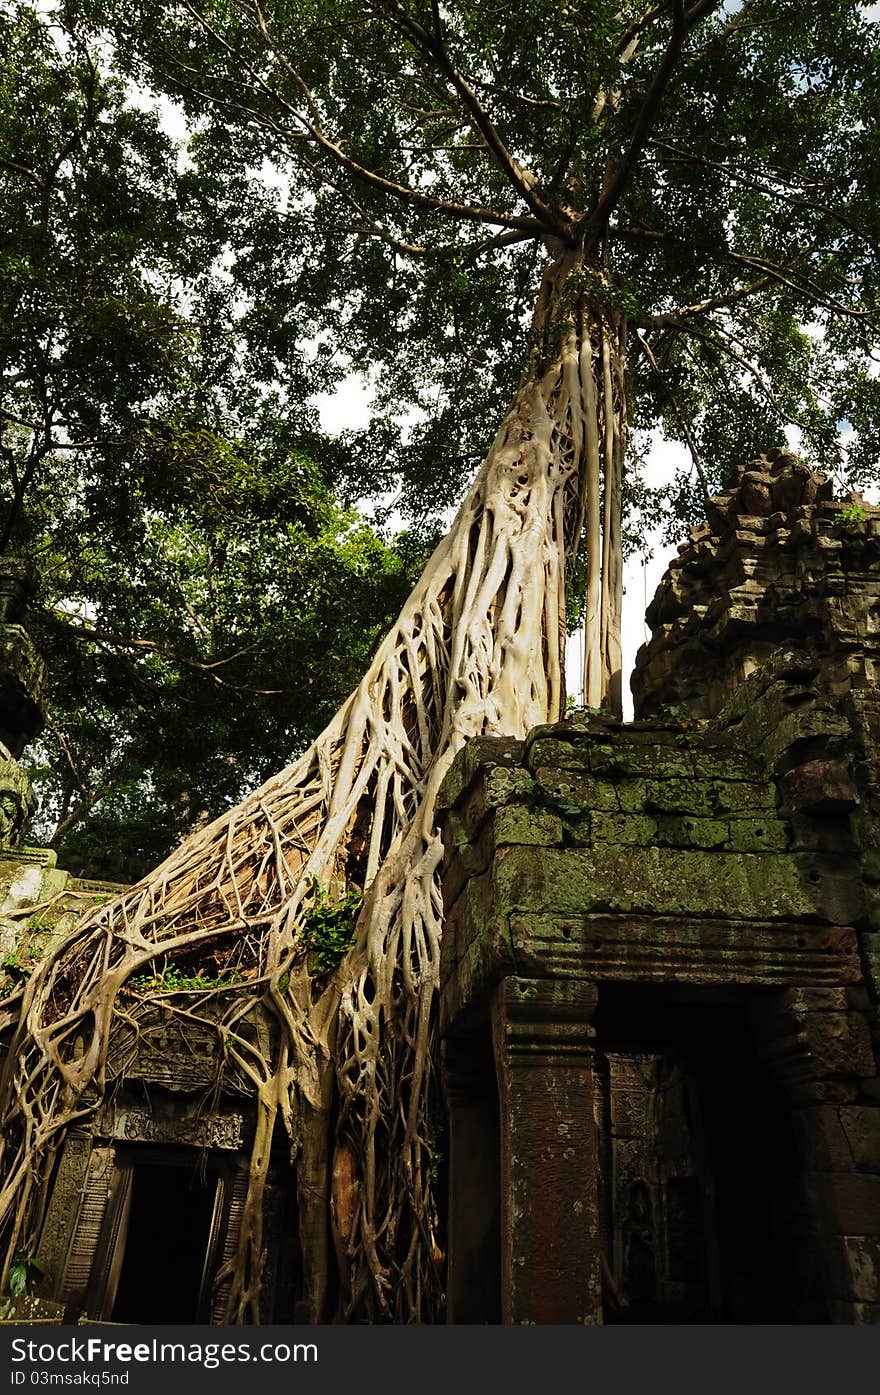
(478, 649)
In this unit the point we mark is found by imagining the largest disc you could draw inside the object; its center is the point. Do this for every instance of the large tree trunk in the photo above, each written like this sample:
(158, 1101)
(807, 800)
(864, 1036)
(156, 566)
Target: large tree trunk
(478, 648)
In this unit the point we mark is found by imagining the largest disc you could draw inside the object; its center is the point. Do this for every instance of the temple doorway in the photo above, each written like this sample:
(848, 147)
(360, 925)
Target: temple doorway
(704, 1213)
(166, 1243)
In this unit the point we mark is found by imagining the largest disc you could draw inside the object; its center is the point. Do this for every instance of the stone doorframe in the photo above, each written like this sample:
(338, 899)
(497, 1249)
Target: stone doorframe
(530, 1139)
(83, 1233)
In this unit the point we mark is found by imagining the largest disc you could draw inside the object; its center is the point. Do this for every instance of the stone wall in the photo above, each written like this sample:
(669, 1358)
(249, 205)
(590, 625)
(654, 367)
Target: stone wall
(721, 856)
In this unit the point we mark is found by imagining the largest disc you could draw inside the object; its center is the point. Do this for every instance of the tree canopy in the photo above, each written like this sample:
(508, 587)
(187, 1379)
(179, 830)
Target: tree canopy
(203, 599)
(718, 160)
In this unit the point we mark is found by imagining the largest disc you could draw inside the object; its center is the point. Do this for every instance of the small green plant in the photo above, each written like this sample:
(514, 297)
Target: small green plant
(851, 517)
(24, 1273)
(433, 1138)
(328, 928)
(170, 979)
(13, 964)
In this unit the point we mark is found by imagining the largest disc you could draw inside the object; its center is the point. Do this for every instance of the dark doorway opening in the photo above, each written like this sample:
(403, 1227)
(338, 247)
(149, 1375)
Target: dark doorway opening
(166, 1257)
(473, 1177)
(740, 1219)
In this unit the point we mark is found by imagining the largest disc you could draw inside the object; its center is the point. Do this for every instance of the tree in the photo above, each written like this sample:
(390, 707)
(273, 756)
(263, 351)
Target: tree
(697, 181)
(164, 479)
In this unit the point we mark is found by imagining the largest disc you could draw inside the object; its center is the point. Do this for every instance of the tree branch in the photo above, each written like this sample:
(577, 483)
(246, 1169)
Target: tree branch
(434, 49)
(405, 193)
(15, 168)
(683, 22)
(775, 271)
(675, 318)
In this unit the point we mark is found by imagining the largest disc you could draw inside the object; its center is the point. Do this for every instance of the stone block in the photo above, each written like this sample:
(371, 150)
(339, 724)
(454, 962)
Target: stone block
(742, 798)
(838, 893)
(680, 796)
(479, 752)
(658, 762)
(689, 831)
(575, 787)
(515, 823)
(850, 1202)
(559, 755)
(492, 787)
(663, 881)
(724, 762)
(632, 796)
(469, 860)
(840, 1139)
(623, 828)
(758, 835)
(837, 1044)
(820, 786)
(803, 724)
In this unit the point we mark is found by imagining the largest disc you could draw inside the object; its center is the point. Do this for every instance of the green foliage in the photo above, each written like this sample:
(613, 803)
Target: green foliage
(172, 979)
(328, 929)
(742, 241)
(850, 517)
(13, 964)
(205, 601)
(168, 315)
(23, 1274)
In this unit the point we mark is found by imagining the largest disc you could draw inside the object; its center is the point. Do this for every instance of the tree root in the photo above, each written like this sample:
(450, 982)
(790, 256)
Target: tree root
(477, 649)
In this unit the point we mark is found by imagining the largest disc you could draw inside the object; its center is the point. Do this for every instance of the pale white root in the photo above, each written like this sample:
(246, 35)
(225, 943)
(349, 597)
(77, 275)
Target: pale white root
(477, 649)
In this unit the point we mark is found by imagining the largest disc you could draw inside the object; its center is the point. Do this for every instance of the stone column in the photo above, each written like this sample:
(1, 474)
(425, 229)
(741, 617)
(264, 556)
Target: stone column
(549, 1151)
(817, 1044)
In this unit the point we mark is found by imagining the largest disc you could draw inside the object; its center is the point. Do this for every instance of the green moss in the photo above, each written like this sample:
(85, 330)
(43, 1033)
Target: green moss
(517, 824)
(624, 828)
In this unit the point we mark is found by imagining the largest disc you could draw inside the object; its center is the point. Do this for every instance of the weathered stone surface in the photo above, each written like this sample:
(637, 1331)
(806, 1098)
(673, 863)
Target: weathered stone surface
(780, 561)
(517, 824)
(499, 751)
(549, 1147)
(852, 1200)
(856, 1267)
(661, 949)
(575, 787)
(679, 796)
(665, 881)
(687, 831)
(819, 786)
(623, 828)
(845, 1139)
(759, 835)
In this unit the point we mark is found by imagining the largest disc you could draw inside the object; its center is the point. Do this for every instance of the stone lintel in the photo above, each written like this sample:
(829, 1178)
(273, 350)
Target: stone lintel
(707, 951)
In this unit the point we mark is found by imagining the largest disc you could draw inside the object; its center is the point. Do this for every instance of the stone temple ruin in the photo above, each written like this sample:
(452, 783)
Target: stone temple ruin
(660, 977)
